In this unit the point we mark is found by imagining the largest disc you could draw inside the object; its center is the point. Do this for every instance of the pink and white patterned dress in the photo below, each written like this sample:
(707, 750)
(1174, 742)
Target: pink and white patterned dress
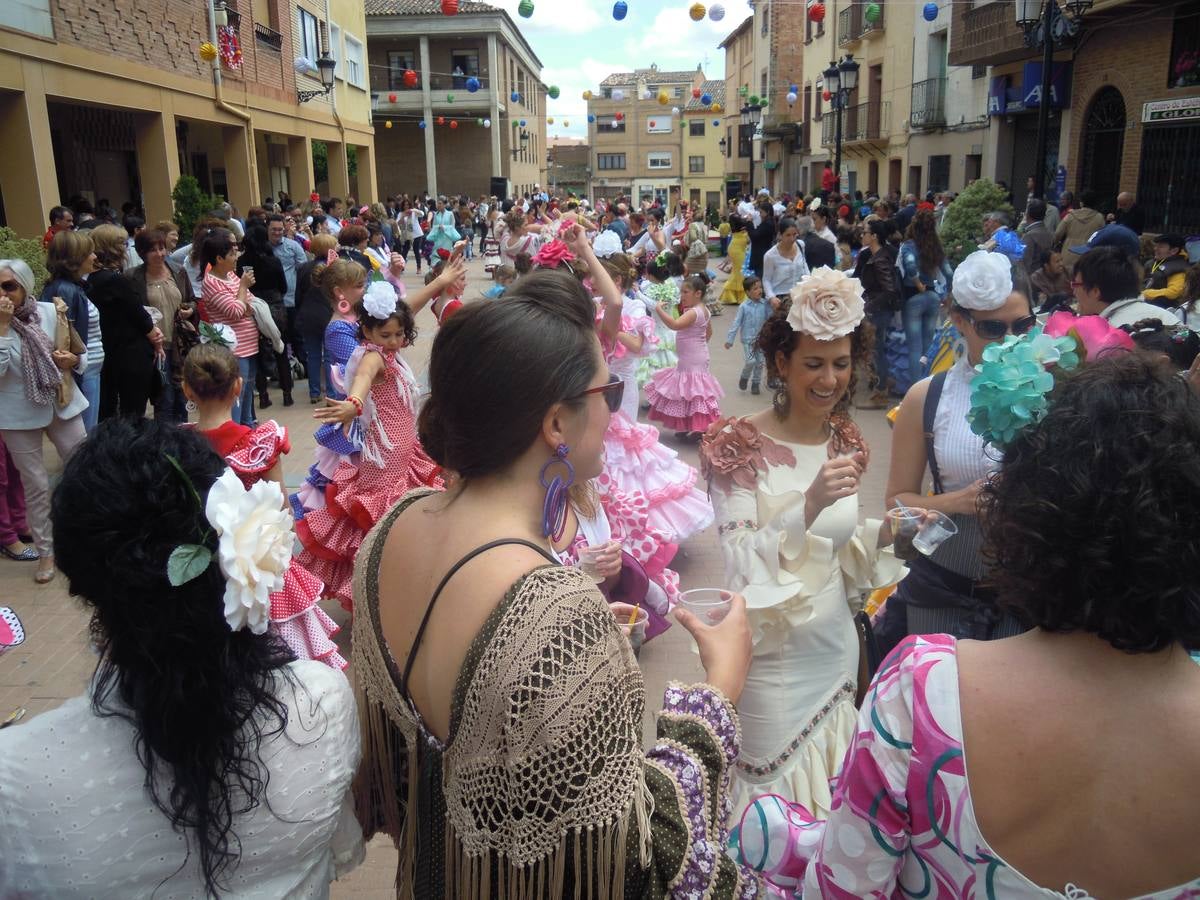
(902, 823)
(687, 397)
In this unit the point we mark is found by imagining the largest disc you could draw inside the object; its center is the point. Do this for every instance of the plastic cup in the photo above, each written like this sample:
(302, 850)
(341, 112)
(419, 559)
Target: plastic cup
(636, 632)
(587, 561)
(709, 605)
(905, 524)
(935, 531)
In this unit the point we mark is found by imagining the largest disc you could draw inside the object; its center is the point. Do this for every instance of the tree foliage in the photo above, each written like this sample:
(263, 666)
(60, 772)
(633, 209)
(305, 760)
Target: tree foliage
(28, 249)
(191, 205)
(962, 227)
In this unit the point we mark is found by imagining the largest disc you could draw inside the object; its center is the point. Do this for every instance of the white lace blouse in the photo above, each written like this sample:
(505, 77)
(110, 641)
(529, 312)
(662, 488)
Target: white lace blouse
(77, 821)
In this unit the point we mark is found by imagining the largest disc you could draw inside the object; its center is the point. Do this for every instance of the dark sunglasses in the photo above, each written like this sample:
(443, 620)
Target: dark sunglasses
(613, 392)
(994, 329)
(9, 287)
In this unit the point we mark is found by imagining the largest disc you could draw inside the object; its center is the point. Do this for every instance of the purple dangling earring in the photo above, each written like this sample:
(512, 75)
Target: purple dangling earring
(554, 510)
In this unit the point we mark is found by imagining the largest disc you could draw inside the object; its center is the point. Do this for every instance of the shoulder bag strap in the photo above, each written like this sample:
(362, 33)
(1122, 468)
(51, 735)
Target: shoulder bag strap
(929, 413)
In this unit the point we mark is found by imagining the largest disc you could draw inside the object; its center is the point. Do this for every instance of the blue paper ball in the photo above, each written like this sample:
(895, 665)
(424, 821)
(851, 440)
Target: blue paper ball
(716, 123)
(591, 118)
(930, 12)
(620, 10)
(515, 97)
(421, 124)
(472, 84)
(522, 123)
(706, 99)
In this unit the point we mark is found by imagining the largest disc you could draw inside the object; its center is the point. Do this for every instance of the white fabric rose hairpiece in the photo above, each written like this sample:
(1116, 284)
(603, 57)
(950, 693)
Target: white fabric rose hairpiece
(254, 547)
(606, 244)
(982, 281)
(380, 300)
(827, 304)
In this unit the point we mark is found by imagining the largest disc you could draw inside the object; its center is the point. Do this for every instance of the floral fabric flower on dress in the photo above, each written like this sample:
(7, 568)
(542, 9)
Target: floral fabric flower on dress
(734, 450)
(827, 304)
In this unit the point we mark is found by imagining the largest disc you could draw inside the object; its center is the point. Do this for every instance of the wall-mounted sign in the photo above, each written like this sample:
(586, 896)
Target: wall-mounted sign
(1182, 108)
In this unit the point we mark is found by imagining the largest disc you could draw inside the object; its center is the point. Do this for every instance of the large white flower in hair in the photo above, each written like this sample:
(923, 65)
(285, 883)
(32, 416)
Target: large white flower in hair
(826, 304)
(254, 547)
(983, 281)
(380, 300)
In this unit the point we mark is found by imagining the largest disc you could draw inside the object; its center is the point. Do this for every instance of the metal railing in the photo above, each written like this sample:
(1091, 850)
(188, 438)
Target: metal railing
(268, 36)
(928, 103)
(849, 25)
(868, 121)
(877, 25)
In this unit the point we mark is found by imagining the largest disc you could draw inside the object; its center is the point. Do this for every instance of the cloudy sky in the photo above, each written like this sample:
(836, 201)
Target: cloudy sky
(579, 43)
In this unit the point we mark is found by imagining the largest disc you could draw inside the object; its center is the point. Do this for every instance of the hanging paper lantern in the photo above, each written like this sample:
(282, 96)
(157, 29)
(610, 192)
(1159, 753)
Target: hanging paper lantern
(663, 98)
(872, 13)
(479, 121)
(706, 99)
(716, 12)
(754, 101)
(514, 97)
(454, 124)
(472, 85)
(391, 98)
(441, 120)
(550, 120)
(674, 110)
(554, 92)
(647, 94)
(450, 7)
(449, 98)
(930, 12)
(792, 97)
(826, 96)
(696, 93)
(522, 123)
(716, 107)
(525, 9)
(618, 94)
(591, 119)
(387, 124)
(587, 95)
(487, 123)
(566, 124)
(743, 91)
(653, 123)
(697, 11)
(620, 10)
(208, 51)
(410, 78)
(620, 117)
(816, 12)
(421, 125)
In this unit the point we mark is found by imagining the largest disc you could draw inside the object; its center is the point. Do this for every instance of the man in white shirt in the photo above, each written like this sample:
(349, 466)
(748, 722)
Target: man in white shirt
(748, 212)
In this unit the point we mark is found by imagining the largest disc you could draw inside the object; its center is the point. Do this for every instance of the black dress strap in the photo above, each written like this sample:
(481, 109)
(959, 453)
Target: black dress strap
(929, 413)
(412, 651)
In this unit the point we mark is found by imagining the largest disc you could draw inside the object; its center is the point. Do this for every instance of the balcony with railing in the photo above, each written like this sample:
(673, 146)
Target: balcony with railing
(862, 123)
(849, 29)
(928, 103)
(268, 36)
(985, 34)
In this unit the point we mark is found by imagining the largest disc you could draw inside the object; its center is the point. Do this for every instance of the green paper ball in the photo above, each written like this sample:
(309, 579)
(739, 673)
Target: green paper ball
(872, 13)
(449, 98)
(525, 9)
(553, 92)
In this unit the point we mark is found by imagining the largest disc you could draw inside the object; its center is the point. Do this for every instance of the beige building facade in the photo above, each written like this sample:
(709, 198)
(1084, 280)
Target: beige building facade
(739, 73)
(703, 158)
(112, 101)
(478, 92)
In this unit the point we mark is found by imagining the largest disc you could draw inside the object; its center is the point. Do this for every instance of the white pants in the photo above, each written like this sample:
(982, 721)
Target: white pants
(25, 448)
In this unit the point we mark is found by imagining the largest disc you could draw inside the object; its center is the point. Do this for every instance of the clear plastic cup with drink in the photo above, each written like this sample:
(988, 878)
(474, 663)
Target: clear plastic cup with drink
(709, 605)
(935, 530)
(633, 621)
(589, 558)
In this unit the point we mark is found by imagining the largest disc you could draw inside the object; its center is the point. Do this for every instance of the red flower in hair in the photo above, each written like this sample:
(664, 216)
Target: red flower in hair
(553, 254)
(314, 197)
(443, 253)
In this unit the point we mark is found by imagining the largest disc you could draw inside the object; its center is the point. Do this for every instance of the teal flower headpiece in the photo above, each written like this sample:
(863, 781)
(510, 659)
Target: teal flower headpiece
(1013, 381)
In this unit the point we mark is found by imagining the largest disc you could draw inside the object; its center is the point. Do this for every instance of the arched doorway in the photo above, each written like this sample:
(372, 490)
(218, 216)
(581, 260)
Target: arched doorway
(1103, 143)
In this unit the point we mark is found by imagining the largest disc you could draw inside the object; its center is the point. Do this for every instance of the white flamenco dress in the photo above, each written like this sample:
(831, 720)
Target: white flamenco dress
(803, 583)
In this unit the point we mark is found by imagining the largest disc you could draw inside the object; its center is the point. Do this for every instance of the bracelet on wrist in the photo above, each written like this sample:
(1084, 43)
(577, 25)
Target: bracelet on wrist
(358, 404)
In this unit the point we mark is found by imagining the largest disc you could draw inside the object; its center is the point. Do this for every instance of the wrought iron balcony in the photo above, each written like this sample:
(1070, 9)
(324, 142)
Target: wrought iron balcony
(268, 36)
(985, 34)
(928, 103)
(876, 27)
(864, 122)
(850, 20)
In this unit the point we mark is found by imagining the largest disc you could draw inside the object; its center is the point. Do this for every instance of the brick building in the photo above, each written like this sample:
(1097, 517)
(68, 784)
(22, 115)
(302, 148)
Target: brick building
(457, 152)
(780, 37)
(112, 101)
(568, 167)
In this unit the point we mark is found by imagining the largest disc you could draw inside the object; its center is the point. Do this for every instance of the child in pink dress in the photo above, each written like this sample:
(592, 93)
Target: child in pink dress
(686, 397)
(211, 382)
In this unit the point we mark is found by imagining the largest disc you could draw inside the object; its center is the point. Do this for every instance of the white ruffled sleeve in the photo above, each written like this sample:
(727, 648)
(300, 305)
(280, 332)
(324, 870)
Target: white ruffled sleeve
(866, 566)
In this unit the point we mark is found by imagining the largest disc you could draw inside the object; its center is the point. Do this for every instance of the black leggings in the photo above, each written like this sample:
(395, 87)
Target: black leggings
(125, 388)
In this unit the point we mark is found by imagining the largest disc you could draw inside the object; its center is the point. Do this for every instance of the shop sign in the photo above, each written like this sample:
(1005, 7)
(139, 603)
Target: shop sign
(1182, 108)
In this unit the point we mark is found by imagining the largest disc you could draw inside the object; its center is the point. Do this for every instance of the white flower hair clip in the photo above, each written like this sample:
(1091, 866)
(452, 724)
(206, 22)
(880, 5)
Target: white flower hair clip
(982, 281)
(606, 244)
(380, 300)
(254, 547)
(218, 333)
(827, 304)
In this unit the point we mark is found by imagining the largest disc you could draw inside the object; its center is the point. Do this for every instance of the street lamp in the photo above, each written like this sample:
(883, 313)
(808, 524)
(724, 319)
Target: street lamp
(1031, 14)
(751, 115)
(841, 78)
(325, 66)
(523, 137)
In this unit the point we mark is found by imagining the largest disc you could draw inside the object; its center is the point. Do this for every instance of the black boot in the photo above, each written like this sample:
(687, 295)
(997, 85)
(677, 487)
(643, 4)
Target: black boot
(755, 389)
(264, 400)
(287, 398)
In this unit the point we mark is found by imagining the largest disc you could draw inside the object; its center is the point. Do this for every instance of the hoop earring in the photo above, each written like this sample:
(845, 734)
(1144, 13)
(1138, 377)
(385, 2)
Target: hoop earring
(781, 402)
(554, 509)
(190, 406)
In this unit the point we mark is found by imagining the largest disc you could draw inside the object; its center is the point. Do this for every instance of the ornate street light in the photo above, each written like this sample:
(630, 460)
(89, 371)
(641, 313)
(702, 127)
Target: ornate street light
(325, 66)
(841, 78)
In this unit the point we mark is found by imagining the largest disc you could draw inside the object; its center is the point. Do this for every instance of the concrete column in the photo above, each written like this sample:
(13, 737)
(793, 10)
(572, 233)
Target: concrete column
(427, 100)
(157, 160)
(339, 171)
(301, 180)
(239, 176)
(495, 85)
(28, 176)
(368, 185)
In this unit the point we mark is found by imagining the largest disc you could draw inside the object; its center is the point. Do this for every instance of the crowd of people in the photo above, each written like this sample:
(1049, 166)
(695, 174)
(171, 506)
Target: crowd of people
(502, 527)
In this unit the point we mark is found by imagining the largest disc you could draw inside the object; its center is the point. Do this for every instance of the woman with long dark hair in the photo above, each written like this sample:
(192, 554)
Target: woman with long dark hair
(926, 277)
(202, 761)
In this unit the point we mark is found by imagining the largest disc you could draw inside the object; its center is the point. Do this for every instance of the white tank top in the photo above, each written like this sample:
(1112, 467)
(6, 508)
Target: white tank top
(962, 456)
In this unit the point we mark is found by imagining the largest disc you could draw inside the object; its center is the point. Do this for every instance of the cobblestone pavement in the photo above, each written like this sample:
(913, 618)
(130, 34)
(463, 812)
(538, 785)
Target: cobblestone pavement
(55, 661)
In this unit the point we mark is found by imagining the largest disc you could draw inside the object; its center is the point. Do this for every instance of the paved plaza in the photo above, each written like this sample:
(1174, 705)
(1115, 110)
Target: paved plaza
(55, 661)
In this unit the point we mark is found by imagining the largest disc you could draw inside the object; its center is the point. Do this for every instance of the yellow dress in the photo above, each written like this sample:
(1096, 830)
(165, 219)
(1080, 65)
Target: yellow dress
(733, 294)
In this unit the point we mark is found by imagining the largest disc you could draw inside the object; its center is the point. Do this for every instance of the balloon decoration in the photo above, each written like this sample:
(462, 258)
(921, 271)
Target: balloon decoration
(716, 123)
(487, 123)
(421, 125)
(663, 98)
(587, 95)
(618, 94)
(550, 120)
(522, 123)
(754, 101)
(554, 92)
(697, 11)
(647, 94)
(653, 123)
(826, 96)
(816, 12)
(674, 110)
(620, 117)
(450, 7)
(706, 99)
(525, 9)
(514, 97)
(716, 107)
(391, 98)
(696, 93)
(716, 12)
(454, 124)
(479, 121)
(591, 119)
(387, 124)
(566, 124)
(872, 13)
(441, 120)
(930, 12)
(472, 85)
(449, 98)
(620, 10)
(410, 78)
(208, 51)
(743, 91)
(792, 97)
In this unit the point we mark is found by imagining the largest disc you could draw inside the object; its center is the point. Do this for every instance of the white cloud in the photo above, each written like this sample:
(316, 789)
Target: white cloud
(555, 17)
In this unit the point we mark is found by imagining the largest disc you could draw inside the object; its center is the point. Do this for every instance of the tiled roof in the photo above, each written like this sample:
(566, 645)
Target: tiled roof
(650, 76)
(422, 7)
(715, 89)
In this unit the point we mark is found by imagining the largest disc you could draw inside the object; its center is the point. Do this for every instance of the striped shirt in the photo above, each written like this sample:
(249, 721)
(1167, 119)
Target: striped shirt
(95, 347)
(221, 301)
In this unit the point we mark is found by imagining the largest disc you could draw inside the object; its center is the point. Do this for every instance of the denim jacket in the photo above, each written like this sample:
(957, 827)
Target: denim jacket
(910, 272)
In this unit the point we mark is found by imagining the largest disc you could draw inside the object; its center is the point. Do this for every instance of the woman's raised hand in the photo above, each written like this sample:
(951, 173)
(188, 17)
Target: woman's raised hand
(725, 648)
(838, 478)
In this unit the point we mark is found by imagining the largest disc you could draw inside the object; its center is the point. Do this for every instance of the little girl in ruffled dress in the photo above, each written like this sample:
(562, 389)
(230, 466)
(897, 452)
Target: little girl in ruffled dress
(377, 420)
(660, 286)
(686, 398)
(211, 383)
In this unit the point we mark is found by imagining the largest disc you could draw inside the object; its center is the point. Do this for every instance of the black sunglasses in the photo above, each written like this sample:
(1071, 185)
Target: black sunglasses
(9, 287)
(995, 329)
(613, 391)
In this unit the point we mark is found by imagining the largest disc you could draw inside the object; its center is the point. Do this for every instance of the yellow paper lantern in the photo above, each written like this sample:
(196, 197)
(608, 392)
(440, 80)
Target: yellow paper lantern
(208, 52)
(587, 95)
(663, 98)
(550, 120)
(697, 11)
(566, 124)
(387, 124)
(716, 107)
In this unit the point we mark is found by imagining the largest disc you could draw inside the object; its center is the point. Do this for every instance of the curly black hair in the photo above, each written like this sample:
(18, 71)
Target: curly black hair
(1089, 523)
(200, 698)
(777, 336)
